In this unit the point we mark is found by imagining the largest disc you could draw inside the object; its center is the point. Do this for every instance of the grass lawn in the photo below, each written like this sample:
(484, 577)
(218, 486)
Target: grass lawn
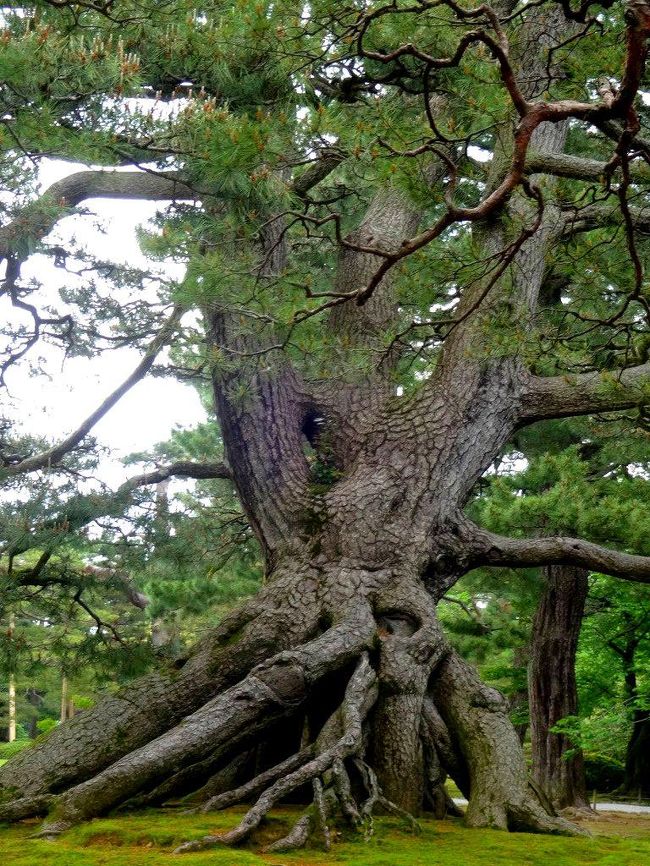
(147, 839)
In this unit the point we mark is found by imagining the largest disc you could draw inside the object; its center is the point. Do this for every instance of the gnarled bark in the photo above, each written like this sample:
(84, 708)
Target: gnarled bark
(355, 566)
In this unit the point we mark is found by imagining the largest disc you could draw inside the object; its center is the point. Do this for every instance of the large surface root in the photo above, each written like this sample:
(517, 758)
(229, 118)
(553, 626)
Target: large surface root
(270, 692)
(402, 682)
(282, 615)
(486, 742)
(359, 697)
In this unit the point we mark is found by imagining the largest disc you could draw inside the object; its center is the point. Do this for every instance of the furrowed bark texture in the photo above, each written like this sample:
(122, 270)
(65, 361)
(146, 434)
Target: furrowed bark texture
(142, 711)
(344, 634)
(232, 719)
(477, 719)
(558, 765)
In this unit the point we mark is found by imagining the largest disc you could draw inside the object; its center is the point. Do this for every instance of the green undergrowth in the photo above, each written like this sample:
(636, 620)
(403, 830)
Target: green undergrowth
(148, 838)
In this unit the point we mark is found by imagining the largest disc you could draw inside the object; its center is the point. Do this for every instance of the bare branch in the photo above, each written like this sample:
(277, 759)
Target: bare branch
(179, 469)
(594, 216)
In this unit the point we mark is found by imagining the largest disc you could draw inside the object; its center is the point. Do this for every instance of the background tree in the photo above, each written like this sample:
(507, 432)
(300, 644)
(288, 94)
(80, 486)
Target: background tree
(369, 297)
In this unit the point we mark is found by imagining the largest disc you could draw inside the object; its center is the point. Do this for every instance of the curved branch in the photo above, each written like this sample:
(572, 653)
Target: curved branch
(584, 394)
(54, 455)
(82, 510)
(179, 469)
(328, 160)
(38, 218)
(499, 550)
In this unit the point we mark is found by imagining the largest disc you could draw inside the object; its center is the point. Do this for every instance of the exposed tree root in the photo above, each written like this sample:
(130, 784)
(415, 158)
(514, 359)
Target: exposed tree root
(477, 720)
(270, 692)
(24, 807)
(226, 778)
(282, 615)
(394, 809)
(359, 697)
(412, 685)
(182, 782)
(297, 837)
(369, 778)
(258, 784)
(321, 814)
(439, 760)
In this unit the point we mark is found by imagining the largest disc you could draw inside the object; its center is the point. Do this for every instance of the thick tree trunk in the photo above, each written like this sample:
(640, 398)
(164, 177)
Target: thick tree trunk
(354, 566)
(558, 766)
(494, 771)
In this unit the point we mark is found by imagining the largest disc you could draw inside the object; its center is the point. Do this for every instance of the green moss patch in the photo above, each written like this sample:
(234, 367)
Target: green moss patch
(148, 838)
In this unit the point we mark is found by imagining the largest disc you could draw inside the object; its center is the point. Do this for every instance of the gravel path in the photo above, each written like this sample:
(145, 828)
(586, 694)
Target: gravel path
(631, 808)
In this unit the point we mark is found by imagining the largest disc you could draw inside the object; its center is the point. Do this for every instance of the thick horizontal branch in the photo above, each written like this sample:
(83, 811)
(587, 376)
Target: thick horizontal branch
(38, 218)
(54, 455)
(498, 550)
(585, 394)
(595, 216)
(578, 167)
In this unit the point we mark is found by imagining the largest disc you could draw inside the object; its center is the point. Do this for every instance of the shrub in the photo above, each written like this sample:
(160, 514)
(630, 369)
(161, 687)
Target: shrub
(8, 750)
(603, 773)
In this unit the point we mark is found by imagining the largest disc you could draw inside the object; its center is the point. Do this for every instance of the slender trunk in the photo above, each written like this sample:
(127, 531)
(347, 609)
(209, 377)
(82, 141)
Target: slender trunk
(12, 690)
(558, 766)
(12, 708)
(519, 697)
(637, 758)
(64, 698)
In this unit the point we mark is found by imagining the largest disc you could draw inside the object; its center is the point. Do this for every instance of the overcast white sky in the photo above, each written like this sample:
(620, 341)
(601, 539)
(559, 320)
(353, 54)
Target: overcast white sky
(56, 405)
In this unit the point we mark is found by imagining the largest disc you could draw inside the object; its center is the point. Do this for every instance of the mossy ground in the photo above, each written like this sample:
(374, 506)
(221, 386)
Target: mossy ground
(148, 838)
